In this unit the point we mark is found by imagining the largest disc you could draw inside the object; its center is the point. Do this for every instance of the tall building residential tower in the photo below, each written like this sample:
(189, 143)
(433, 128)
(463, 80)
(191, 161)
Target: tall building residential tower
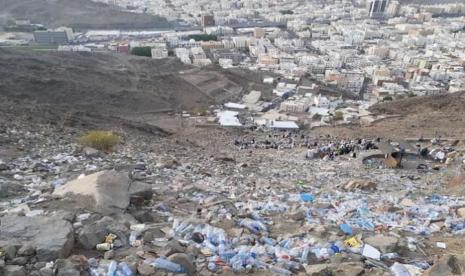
(377, 8)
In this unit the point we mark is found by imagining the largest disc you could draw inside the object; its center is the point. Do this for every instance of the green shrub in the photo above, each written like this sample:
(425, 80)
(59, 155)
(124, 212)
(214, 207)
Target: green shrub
(203, 37)
(142, 51)
(99, 139)
(338, 116)
(387, 98)
(286, 12)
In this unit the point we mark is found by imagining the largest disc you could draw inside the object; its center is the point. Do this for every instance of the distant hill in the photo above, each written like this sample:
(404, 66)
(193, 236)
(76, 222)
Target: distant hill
(79, 14)
(49, 85)
(430, 2)
(427, 117)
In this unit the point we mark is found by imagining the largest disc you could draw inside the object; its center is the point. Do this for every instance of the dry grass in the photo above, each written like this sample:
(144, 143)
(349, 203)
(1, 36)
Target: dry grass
(99, 139)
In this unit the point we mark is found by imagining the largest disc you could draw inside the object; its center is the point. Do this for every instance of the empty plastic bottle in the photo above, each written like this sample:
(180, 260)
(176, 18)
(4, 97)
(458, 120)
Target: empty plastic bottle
(168, 265)
(253, 225)
(346, 229)
(212, 267)
(398, 269)
(125, 270)
(112, 268)
(279, 271)
(304, 257)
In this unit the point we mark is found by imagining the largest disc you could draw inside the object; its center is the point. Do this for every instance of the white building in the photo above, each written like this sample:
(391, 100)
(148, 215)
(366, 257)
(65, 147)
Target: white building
(159, 53)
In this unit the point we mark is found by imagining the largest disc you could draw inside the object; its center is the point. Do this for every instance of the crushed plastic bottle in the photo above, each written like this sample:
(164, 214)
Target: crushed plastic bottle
(346, 229)
(167, 265)
(253, 225)
(306, 197)
(112, 268)
(398, 269)
(125, 270)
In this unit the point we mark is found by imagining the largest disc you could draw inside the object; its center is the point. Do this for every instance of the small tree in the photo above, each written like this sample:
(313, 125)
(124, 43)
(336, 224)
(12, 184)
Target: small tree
(142, 51)
(316, 117)
(286, 12)
(387, 98)
(203, 37)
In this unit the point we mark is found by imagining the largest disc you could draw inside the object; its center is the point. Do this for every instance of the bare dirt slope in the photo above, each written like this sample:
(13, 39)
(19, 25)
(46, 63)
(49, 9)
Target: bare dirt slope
(427, 117)
(54, 85)
(79, 14)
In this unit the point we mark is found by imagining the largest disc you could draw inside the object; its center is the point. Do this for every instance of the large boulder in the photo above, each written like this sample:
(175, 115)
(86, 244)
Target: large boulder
(14, 270)
(49, 237)
(448, 265)
(109, 191)
(94, 233)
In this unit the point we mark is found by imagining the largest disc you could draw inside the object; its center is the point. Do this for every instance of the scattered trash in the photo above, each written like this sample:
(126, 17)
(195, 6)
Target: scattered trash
(166, 265)
(307, 197)
(346, 229)
(371, 252)
(104, 246)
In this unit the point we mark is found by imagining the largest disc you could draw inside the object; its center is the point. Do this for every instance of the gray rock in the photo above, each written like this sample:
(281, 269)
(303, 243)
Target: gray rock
(73, 266)
(344, 269)
(108, 189)
(297, 215)
(185, 261)
(68, 271)
(19, 261)
(168, 164)
(3, 167)
(92, 234)
(110, 254)
(448, 265)
(145, 269)
(172, 247)
(385, 244)
(45, 271)
(51, 237)
(14, 270)
(91, 152)
(141, 189)
(39, 265)
(26, 250)
(10, 250)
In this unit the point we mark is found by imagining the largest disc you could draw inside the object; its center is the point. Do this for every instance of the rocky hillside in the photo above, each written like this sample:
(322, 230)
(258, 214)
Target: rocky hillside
(442, 115)
(61, 85)
(78, 14)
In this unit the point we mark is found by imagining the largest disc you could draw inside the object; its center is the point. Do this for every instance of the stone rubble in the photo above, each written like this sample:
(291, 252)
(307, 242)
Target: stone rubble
(154, 207)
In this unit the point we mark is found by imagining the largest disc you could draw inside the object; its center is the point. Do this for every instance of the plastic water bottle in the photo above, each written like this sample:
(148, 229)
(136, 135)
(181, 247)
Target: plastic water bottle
(225, 253)
(168, 265)
(253, 225)
(280, 271)
(389, 256)
(133, 237)
(399, 270)
(305, 197)
(346, 229)
(212, 267)
(305, 253)
(125, 269)
(112, 268)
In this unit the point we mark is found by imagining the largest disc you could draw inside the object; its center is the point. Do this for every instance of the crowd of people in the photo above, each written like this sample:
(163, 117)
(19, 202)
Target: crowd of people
(334, 148)
(323, 148)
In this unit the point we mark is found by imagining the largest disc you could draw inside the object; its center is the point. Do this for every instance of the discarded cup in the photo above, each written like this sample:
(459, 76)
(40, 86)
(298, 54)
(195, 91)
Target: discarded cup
(104, 246)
